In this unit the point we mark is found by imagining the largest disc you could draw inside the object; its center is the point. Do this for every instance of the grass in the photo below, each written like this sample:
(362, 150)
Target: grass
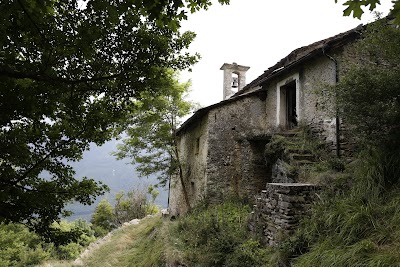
(217, 235)
(355, 222)
(135, 245)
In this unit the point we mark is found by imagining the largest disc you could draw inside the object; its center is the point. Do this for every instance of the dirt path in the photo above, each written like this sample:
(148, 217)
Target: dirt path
(98, 243)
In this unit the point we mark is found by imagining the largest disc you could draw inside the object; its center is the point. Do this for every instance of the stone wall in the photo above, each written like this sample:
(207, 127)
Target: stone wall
(236, 140)
(222, 149)
(279, 208)
(193, 149)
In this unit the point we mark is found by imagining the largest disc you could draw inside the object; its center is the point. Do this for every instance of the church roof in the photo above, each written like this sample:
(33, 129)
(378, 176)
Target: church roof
(295, 58)
(304, 53)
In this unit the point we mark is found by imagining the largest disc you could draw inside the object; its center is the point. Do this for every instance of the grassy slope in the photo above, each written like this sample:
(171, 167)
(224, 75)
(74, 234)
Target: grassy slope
(135, 245)
(347, 230)
(356, 222)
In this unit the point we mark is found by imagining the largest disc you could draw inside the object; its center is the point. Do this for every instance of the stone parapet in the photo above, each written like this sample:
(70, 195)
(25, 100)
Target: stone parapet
(279, 208)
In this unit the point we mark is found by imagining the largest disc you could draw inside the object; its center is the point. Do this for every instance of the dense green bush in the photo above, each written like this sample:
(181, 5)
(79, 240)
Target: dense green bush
(103, 218)
(20, 247)
(217, 235)
(83, 235)
(128, 206)
(356, 222)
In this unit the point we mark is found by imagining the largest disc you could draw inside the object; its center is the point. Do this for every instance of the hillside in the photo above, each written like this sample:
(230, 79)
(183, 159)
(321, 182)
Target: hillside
(119, 175)
(340, 232)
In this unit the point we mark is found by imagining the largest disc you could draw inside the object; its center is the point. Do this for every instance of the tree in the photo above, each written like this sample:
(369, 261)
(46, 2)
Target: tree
(151, 141)
(103, 216)
(355, 7)
(369, 96)
(67, 71)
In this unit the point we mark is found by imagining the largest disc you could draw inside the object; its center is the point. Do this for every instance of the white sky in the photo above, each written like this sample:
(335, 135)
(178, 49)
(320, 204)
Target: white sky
(258, 33)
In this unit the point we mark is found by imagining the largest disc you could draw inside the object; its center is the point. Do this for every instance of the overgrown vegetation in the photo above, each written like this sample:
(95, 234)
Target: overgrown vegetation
(22, 247)
(217, 235)
(356, 222)
(134, 204)
(135, 245)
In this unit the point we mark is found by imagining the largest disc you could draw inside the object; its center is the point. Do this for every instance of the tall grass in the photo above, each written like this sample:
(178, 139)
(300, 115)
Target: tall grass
(217, 235)
(356, 222)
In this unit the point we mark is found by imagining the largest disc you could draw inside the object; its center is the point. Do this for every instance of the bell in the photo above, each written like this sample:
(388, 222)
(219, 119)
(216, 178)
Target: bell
(235, 83)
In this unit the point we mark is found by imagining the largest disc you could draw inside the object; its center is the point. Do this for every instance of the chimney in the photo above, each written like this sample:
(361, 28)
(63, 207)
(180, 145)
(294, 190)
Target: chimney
(234, 77)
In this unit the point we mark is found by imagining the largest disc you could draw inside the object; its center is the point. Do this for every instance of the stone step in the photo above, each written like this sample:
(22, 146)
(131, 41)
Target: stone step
(296, 150)
(287, 134)
(309, 157)
(303, 162)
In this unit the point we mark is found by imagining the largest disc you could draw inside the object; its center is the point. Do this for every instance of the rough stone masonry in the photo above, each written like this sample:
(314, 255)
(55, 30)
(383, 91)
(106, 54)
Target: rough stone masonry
(279, 208)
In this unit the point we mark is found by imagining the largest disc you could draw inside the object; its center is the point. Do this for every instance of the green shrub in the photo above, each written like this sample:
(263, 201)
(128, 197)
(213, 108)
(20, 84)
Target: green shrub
(75, 235)
(103, 216)
(218, 236)
(20, 247)
(69, 251)
(249, 253)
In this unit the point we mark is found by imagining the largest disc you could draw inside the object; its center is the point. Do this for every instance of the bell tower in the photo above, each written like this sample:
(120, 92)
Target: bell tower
(234, 78)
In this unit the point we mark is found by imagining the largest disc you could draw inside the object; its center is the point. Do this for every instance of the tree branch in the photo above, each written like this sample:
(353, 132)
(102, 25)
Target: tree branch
(43, 78)
(33, 22)
(28, 171)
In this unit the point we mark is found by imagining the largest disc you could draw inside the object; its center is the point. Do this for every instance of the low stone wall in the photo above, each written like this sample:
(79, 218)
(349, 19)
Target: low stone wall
(279, 208)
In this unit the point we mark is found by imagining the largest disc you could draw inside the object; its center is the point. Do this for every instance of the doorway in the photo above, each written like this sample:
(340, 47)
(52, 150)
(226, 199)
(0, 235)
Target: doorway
(290, 99)
(287, 113)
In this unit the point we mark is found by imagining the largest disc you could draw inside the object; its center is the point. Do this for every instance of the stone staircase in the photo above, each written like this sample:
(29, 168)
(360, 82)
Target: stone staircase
(296, 150)
(279, 208)
(295, 156)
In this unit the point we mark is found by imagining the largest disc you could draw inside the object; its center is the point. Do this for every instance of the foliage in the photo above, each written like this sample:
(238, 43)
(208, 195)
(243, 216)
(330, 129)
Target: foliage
(131, 206)
(151, 129)
(135, 245)
(69, 251)
(355, 7)
(368, 96)
(71, 238)
(249, 253)
(20, 247)
(217, 236)
(354, 223)
(128, 206)
(67, 71)
(104, 217)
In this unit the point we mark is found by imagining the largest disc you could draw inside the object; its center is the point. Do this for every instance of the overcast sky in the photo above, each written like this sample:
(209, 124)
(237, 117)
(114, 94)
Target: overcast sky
(258, 33)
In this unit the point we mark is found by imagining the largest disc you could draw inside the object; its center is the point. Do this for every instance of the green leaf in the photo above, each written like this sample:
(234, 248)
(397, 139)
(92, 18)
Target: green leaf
(355, 7)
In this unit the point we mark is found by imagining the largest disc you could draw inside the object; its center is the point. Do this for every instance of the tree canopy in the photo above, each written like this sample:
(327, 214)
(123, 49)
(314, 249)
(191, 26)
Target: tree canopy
(68, 70)
(355, 7)
(151, 131)
(369, 94)
(369, 97)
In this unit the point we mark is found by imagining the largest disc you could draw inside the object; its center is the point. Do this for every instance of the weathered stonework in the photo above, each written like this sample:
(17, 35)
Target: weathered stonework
(278, 209)
(222, 145)
(193, 150)
(234, 163)
(229, 70)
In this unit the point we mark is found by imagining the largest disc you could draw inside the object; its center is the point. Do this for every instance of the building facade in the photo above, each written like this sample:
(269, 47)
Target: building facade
(221, 146)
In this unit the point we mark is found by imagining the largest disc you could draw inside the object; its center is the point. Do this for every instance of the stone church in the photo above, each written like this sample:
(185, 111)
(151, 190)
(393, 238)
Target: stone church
(221, 146)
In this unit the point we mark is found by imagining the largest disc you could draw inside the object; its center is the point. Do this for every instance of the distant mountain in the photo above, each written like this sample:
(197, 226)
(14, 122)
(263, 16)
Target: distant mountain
(119, 175)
